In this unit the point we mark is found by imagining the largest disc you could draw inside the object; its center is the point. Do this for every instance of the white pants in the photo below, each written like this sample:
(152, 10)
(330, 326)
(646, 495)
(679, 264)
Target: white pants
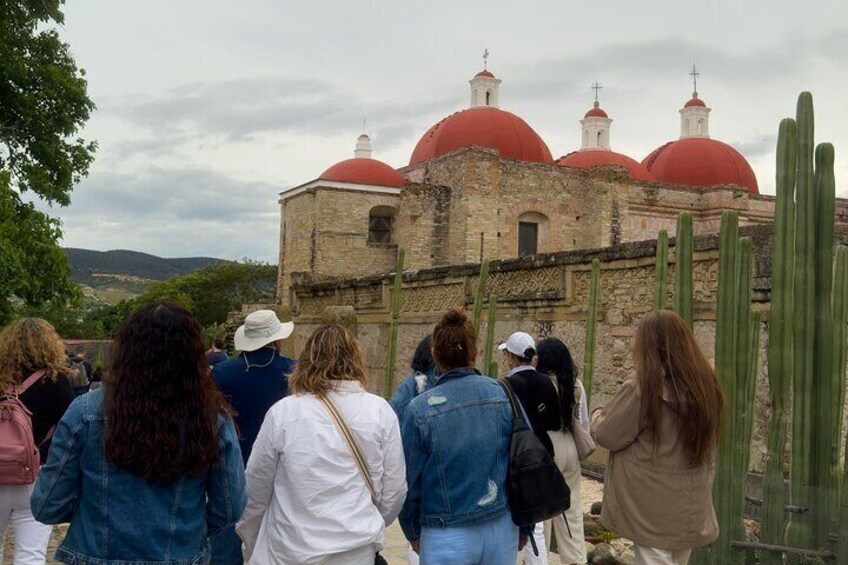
(31, 537)
(653, 556)
(411, 556)
(571, 548)
(531, 558)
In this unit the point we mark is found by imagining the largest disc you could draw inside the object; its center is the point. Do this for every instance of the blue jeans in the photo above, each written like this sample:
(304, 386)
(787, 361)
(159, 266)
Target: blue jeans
(494, 542)
(225, 548)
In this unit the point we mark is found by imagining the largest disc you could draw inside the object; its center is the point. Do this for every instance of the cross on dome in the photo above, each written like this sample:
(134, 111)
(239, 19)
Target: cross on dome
(694, 74)
(485, 59)
(597, 88)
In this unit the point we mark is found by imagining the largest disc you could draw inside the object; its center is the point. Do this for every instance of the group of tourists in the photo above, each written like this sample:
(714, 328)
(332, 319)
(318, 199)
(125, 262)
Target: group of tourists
(262, 460)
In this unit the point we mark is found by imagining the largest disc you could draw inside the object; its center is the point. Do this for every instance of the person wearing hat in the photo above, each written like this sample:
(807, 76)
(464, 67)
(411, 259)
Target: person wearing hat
(538, 396)
(252, 381)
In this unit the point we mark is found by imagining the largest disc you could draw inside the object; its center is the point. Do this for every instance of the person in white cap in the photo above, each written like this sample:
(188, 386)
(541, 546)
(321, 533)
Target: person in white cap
(538, 397)
(252, 381)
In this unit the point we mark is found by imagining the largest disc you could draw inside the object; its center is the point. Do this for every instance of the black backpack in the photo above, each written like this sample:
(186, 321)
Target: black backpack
(535, 488)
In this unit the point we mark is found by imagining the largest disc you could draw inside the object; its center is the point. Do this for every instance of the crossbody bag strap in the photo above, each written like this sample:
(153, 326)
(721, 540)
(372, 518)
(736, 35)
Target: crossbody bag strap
(513, 402)
(352, 444)
(31, 380)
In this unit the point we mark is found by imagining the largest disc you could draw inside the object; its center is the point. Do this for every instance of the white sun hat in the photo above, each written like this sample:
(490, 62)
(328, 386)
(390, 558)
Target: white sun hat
(520, 344)
(261, 328)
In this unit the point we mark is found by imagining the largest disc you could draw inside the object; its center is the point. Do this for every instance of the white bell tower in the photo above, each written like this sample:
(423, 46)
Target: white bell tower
(695, 116)
(363, 147)
(484, 86)
(596, 126)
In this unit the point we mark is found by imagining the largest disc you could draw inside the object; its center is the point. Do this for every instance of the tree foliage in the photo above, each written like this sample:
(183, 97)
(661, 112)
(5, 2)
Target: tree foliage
(43, 105)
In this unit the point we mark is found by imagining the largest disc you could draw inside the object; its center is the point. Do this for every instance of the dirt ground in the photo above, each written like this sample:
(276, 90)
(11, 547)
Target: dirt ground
(395, 551)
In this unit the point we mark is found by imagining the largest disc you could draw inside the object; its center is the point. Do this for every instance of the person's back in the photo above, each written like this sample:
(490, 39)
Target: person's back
(148, 467)
(252, 383)
(465, 424)
(456, 439)
(309, 500)
(539, 398)
(118, 516)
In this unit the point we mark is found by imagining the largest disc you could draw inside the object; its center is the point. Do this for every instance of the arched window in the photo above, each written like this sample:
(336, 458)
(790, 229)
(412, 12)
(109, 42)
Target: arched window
(600, 139)
(700, 127)
(532, 233)
(381, 222)
(488, 95)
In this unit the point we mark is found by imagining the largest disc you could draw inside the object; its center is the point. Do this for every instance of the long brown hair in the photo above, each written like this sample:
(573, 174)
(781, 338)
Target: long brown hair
(454, 341)
(673, 371)
(28, 345)
(331, 353)
(160, 402)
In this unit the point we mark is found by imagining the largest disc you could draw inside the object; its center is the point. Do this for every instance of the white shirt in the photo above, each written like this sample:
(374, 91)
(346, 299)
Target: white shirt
(306, 497)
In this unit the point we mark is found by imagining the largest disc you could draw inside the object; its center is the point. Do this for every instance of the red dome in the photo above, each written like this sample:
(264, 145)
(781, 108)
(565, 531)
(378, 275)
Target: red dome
(695, 101)
(699, 161)
(363, 171)
(486, 127)
(485, 74)
(587, 159)
(596, 112)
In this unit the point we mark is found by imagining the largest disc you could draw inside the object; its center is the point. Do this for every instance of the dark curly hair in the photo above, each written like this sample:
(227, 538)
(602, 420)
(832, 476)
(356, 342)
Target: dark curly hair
(160, 402)
(555, 359)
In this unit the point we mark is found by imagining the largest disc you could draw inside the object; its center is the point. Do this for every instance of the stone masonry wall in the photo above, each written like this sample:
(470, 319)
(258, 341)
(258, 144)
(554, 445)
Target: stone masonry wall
(545, 295)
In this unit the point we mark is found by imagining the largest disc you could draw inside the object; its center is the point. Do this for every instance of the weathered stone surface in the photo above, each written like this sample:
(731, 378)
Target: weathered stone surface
(604, 555)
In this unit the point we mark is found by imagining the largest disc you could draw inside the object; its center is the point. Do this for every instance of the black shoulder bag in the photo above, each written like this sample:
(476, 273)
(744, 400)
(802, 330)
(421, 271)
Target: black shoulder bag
(536, 489)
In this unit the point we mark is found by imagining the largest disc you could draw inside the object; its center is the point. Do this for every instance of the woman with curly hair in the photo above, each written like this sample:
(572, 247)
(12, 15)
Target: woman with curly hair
(326, 474)
(148, 467)
(34, 364)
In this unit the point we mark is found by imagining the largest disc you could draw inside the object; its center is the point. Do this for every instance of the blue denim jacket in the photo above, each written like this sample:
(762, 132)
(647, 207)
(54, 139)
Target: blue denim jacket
(456, 442)
(120, 519)
(408, 390)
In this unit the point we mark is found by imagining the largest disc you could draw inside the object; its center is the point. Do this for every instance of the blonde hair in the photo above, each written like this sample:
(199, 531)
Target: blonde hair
(28, 345)
(331, 353)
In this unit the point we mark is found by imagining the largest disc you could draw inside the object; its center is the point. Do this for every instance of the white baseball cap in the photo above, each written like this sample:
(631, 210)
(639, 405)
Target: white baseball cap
(519, 344)
(261, 328)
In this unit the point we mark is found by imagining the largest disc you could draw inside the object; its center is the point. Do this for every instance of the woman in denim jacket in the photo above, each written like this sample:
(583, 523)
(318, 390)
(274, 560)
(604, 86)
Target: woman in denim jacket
(456, 442)
(148, 467)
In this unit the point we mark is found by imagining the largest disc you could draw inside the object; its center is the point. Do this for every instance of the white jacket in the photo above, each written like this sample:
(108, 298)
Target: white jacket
(307, 499)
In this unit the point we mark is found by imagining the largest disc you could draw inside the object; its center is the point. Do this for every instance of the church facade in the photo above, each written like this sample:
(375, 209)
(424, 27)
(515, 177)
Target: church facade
(481, 184)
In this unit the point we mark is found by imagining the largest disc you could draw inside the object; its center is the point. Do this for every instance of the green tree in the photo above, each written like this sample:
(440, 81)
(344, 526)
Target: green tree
(43, 105)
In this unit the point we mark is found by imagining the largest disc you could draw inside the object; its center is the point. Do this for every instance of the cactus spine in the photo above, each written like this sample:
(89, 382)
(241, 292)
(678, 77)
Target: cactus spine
(490, 334)
(591, 323)
(393, 327)
(480, 296)
(661, 270)
(780, 339)
(683, 249)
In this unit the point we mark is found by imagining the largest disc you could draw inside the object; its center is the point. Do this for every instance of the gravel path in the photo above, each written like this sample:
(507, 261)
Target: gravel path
(395, 551)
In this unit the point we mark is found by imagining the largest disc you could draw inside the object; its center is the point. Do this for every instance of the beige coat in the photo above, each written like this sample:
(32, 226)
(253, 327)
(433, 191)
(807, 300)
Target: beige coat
(654, 499)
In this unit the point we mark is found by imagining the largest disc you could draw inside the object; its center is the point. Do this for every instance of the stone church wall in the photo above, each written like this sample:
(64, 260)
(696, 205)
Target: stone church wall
(545, 295)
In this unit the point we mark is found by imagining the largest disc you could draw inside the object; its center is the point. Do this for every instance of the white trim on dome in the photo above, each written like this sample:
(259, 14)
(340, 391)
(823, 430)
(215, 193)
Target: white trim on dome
(292, 192)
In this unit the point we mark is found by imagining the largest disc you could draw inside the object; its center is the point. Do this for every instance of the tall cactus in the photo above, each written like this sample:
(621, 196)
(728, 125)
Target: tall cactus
(780, 350)
(800, 533)
(840, 359)
(661, 271)
(684, 244)
(490, 334)
(591, 323)
(725, 361)
(480, 296)
(393, 327)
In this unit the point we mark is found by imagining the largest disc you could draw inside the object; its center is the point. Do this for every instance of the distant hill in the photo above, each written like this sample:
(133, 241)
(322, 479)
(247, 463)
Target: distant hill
(85, 264)
(120, 273)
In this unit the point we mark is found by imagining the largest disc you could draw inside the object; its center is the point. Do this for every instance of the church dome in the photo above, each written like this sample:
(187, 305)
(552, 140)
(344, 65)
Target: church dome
(700, 161)
(587, 159)
(695, 101)
(596, 112)
(484, 126)
(363, 170)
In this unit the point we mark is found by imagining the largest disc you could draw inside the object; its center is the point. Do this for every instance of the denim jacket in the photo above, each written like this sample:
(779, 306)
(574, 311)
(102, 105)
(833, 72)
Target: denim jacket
(456, 442)
(412, 386)
(118, 518)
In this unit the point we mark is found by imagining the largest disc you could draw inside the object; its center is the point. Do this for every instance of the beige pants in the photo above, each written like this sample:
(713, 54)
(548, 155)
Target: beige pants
(653, 556)
(571, 549)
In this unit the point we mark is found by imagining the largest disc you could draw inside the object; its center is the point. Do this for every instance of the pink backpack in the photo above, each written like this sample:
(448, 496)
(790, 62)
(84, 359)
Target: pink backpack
(19, 458)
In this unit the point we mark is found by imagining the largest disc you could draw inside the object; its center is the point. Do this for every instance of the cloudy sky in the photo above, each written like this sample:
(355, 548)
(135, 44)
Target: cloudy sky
(207, 109)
